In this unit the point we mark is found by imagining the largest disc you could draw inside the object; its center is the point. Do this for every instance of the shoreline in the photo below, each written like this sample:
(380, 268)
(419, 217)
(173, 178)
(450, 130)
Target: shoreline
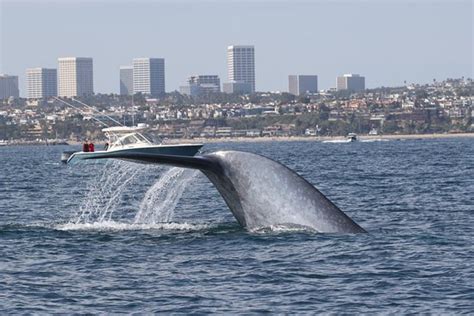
(271, 139)
(318, 138)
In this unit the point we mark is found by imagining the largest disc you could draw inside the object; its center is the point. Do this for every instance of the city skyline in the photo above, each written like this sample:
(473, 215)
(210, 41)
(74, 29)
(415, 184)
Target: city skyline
(388, 42)
(147, 75)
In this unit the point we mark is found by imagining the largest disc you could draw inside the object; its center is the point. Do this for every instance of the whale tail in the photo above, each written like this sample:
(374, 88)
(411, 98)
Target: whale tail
(259, 191)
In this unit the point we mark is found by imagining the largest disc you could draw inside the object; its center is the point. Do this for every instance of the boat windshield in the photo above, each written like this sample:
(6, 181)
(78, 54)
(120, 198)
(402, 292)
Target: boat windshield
(153, 137)
(130, 139)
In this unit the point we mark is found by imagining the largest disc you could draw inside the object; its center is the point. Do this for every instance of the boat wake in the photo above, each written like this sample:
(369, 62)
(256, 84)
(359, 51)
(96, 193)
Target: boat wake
(374, 140)
(337, 141)
(344, 141)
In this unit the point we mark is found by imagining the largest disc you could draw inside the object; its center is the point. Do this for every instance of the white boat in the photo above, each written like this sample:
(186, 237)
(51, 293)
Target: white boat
(130, 140)
(351, 137)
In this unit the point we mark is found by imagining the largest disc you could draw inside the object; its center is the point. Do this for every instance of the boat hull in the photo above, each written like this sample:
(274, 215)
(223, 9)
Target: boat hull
(170, 150)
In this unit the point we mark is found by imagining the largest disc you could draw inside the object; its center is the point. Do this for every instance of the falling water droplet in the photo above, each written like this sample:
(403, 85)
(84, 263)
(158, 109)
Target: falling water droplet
(161, 199)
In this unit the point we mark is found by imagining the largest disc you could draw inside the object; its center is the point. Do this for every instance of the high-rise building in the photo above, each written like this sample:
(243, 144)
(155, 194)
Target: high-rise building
(201, 84)
(351, 82)
(149, 76)
(126, 80)
(9, 87)
(75, 76)
(241, 65)
(41, 83)
(302, 84)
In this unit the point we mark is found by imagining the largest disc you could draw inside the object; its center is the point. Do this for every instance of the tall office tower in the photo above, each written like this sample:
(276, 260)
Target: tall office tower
(201, 84)
(302, 84)
(241, 65)
(75, 76)
(351, 82)
(126, 80)
(41, 83)
(9, 87)
(149, 76)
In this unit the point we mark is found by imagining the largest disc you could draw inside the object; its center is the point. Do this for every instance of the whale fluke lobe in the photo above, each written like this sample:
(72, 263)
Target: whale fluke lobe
(261, 192)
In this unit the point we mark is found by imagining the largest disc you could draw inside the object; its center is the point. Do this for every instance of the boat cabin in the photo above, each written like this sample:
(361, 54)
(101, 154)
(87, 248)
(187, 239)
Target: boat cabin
(125, 136)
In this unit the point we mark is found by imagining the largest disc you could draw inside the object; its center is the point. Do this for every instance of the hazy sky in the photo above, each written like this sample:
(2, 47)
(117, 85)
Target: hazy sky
(387, 41)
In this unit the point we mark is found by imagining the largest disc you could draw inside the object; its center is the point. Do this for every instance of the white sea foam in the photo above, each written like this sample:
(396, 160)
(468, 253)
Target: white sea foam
(282, 228)
(120, 226)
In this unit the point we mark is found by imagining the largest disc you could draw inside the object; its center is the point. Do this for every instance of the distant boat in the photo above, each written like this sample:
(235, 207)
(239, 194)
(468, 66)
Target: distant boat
(125, 139)
(351, 137)
(3, 142)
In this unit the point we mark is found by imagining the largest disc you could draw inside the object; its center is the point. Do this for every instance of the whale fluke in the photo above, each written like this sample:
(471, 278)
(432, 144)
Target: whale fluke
(260, 192)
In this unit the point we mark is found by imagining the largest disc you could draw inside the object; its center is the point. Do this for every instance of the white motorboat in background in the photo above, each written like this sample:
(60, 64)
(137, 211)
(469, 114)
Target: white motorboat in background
(351, 137)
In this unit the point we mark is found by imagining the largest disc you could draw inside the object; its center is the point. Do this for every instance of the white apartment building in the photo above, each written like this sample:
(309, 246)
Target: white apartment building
(241, 65)
(75, 76)
(9, 87)
(149, 76)
(302, 84)
(350, 82)
(41, 83)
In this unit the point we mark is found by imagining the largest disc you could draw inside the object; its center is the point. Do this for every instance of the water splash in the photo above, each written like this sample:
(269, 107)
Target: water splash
(102, 207)
(104, 195)
(161, 199)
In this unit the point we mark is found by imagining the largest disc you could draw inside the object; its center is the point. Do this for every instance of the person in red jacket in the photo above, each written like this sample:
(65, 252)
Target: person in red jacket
(91, 147)
(85, 146)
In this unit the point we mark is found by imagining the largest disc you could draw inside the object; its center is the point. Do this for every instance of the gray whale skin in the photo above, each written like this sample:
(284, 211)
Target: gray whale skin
(260, 192)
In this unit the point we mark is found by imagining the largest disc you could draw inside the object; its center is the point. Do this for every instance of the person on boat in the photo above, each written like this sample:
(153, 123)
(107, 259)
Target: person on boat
(106, 146)
(91, 147)
(85, 146)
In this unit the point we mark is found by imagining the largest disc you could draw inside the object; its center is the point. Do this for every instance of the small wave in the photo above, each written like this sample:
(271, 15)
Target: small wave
(374, 140)
(118, 226)
(48, 163)
(337, 141)
(283, 228)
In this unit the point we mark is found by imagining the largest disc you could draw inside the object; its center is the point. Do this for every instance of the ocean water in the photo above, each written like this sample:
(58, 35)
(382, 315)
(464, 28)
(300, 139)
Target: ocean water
(112, 236)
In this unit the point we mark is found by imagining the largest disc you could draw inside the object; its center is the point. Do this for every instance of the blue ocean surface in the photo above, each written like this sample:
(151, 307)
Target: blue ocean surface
(120, 237)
